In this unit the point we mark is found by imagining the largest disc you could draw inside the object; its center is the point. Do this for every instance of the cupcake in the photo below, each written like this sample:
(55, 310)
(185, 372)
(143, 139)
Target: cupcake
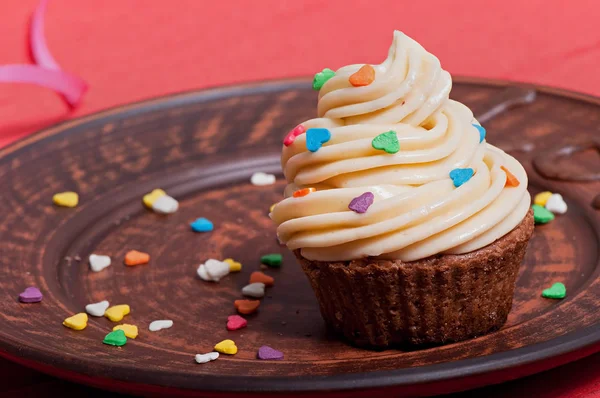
(409, 226)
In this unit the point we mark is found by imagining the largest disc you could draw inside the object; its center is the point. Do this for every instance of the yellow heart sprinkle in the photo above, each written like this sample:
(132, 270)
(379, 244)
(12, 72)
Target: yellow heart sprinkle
(541, 198)
(131, 331)
(226, 347)
(66, 199)
(77, 321)
(234, 266)
(117, 312)
(272, 207)
(151, 197)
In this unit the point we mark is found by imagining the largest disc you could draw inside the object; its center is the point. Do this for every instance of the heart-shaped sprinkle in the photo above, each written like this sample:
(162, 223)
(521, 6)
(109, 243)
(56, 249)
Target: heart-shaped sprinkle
(460, 176)
(97, 309)
(511, 180)
(213, 270)
(267, 353)
(151, 197)
(99, 262)
(363, 77)
(256, 290)
(556, 204)
(66, 199)
(234, 266)
(541, 215)
(165, 205)
(272, 207)
(155, 326)
(291, 136)
(131, 331)
(272, 260)
(116, 338)
(261, 179)
(387, 141)
(31, 295)
(361, 203)
(202, 225)
(481, 131)
(541, 198)
(236, 322)
(226, 347)
(315, 138)
(321, 78)
(203, 274)
(117, 312)
(261, 277)
(303, 192)
(134, 257)
(204, 358)
(556, 291)
(77, 321)
(246, 306)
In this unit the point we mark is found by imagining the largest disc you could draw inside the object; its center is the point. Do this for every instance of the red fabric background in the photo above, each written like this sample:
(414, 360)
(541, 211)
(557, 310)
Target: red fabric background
(129, 50)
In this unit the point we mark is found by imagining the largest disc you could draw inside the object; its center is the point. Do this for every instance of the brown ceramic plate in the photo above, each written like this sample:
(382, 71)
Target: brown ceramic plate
(202, 148)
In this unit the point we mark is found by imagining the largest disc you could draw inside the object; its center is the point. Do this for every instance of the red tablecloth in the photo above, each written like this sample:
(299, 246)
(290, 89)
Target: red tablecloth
(134, 49)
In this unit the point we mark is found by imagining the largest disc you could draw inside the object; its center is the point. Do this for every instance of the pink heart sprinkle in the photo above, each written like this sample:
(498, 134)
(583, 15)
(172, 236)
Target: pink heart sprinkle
(268, 353)
(361, 203)
(235, 322)
(31, 295)
(291, 137)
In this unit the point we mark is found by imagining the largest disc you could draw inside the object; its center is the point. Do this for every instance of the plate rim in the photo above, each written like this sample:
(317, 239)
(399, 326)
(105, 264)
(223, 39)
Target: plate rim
(578, 343)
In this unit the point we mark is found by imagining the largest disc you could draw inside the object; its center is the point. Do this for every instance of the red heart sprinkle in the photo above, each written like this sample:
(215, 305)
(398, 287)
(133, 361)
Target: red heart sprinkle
(235, 322)
(291, 137)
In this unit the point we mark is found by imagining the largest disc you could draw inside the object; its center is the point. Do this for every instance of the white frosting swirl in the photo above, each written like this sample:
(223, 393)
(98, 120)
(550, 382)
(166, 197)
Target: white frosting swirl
(417, 210)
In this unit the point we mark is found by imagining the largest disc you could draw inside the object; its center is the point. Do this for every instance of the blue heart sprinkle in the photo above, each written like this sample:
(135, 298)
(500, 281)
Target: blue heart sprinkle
(202, 225)
(460, 176)
(316, 137)
(481, 132)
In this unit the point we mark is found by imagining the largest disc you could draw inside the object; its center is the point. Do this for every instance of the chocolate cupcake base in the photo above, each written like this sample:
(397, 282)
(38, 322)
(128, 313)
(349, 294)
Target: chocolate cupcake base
(440, 299)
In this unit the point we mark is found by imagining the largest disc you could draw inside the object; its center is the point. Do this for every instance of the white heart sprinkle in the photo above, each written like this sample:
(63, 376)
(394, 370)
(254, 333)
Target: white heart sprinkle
(216, 269)
(556, 204)
(97, 309)
(158, 325)
(165, 205)
(261, 179)
(203, 358)
(213, 270)
(203, 274)
(256, 290)
(98, 262)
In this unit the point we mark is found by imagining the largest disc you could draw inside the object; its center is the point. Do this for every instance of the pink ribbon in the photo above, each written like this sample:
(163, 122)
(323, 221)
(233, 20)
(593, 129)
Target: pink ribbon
(47, 73)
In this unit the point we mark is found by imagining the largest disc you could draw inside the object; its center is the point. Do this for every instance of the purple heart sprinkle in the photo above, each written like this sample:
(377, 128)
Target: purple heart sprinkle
(361, 203)
(31, 295)
(268, 353)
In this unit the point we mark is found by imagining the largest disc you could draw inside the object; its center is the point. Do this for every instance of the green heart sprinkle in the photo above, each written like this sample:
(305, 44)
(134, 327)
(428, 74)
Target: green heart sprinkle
(322, 77)
(557, 291)
(541, 215)
(387, 141)
(116, 338)
(272, 260)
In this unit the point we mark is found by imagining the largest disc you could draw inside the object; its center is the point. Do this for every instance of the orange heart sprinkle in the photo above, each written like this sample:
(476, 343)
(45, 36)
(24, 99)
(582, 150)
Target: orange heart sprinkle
(246, 306)
(363, 77)
(261, 277)
(303, 192)
(135, 257)
(511, 180)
